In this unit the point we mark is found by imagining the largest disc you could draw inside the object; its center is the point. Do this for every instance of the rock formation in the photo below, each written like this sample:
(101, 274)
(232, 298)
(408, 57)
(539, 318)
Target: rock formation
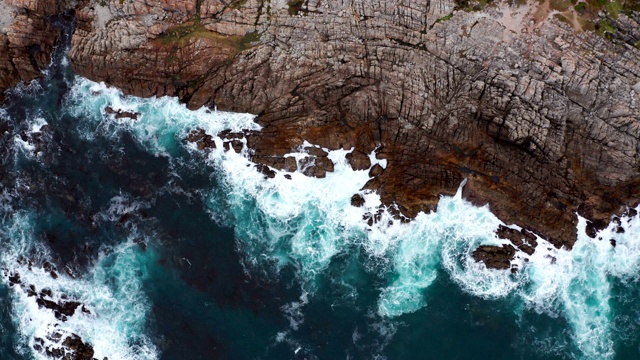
(537, 105)
(27, 38)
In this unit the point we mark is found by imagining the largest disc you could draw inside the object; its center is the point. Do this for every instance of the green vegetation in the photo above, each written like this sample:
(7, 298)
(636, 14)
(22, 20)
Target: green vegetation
(472, 5)
(614, 8)
(445, 18)
(180, 35)
(560, 5)
(581, 7)
(237, 4)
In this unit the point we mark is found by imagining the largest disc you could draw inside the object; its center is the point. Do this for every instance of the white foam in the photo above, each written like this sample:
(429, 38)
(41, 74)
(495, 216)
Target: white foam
(305, 222)
(115, 326)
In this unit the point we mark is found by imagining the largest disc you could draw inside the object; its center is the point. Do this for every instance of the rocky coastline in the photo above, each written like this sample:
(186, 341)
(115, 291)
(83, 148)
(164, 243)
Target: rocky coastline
(537, 106)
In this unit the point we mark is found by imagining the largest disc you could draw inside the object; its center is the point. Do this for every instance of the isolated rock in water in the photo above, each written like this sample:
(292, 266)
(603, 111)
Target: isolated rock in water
(71, 348)
(81, 351)
(201, 139)
(119, 114)
(495, 257)
(266, 171)
(357, 200)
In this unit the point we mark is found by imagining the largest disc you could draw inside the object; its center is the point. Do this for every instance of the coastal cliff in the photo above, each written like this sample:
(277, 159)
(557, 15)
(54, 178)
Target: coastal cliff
(538, 107)
(27, 38)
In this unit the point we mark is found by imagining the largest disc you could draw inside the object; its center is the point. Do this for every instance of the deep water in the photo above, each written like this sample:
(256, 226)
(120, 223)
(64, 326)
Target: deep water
(179, 253)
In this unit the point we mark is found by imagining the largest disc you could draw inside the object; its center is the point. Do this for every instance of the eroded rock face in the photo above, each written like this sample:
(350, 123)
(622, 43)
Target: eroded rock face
(27, 38)
(542, 120)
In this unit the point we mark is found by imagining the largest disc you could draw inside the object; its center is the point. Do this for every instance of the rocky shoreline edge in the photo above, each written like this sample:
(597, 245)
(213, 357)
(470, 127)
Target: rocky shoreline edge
(537, 106)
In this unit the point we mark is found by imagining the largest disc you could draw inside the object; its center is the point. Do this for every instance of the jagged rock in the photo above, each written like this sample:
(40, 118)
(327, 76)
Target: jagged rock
(523, 240)
(27, 38)
(61, 309)
(266, 171)
(119, 114)
(376, 170)
(315, 151)
(358, 160)
(316, 166)
(71, 348)
(237, 145)
(446, 97)
(81, 351)
(201, 139)
(357, 200)
(495, 257)
(14, 279)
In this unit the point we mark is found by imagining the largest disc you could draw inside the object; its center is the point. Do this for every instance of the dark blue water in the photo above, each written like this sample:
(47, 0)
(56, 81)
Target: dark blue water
(178, 253)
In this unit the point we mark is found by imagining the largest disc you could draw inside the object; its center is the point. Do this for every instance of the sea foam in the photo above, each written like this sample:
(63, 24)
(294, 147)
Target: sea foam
(304, 223)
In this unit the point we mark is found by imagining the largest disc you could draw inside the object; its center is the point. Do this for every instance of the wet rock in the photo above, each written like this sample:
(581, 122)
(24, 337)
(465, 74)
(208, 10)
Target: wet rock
(523, 240)
(71, 348)
(358, 160)
(357, 200)
(524, 124)
(119, 114)
(201, 139)
(594, 226)
(612, 242)
(376, 170)
(61, 309)
(315, 151)
(230, 135)
(80, 350)
(495, 257)
(290, 164)
(316, 166)
(141, 243)
(14, 279)
(237, 145)
(266, 171)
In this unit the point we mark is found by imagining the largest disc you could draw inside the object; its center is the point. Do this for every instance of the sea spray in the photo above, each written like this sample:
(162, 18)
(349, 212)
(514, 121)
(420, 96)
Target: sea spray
(305, 223)
(114, 307)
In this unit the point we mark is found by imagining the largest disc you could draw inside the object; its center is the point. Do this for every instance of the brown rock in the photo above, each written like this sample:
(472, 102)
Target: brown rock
(376, 170)
(266, 171)
(538, 131)
(357, 200)
(523, 240)
(495, 257)
(358, 160)
(80, 350)
(119, 114)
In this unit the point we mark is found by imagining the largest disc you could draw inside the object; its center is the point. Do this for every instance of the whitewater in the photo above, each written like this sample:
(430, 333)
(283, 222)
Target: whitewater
(300, 232)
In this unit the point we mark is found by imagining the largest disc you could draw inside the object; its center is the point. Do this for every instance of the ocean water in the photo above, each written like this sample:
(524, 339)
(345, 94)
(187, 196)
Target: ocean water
(178, 253)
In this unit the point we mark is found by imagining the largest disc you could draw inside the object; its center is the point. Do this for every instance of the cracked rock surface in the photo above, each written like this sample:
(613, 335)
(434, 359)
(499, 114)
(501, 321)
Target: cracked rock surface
(542, 119)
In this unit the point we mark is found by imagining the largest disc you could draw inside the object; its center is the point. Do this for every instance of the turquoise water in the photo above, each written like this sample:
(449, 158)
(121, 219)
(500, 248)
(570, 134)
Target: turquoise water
(177, 252)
